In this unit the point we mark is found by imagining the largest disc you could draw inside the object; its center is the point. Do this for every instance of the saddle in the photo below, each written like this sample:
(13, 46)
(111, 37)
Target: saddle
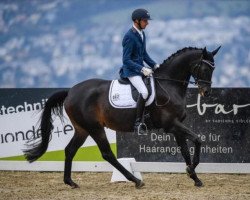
(122, 94)
(135, 93)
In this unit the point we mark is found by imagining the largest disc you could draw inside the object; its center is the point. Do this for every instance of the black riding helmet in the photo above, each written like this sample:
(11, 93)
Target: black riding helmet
(140, 14)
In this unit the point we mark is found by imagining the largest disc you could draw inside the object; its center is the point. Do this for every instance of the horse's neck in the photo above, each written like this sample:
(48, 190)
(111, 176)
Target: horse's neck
(177, 72)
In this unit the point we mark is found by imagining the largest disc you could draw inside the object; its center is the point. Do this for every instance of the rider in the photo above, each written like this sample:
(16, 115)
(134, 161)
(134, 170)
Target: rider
(134, 53)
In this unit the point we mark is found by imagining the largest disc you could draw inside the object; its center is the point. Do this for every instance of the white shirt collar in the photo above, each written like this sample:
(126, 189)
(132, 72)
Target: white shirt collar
(139, 31)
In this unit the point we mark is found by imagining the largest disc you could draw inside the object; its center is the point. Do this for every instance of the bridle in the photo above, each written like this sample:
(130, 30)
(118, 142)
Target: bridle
(195, 71)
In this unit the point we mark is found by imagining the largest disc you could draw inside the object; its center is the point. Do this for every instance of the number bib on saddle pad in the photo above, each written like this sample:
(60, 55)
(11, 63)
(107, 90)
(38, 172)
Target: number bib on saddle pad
(120, 95)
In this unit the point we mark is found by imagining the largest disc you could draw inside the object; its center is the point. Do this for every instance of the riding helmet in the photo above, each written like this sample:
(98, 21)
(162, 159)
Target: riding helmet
(140, 14)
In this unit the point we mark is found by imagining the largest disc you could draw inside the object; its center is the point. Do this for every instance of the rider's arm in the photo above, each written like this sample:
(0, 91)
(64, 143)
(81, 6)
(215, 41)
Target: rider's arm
(147, 58)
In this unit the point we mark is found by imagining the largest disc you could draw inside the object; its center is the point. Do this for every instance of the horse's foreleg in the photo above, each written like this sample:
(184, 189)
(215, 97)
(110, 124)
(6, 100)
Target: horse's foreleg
(181, 142)
(70, 151)
(101, 140)
(186, 155)
(183, 132)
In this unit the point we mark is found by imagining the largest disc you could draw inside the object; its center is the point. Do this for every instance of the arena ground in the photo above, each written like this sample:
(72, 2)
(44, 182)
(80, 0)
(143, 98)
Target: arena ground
(159, 186)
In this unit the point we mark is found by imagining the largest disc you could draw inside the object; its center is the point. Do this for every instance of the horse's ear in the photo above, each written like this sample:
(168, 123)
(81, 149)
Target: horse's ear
(216, 50)
(204, 52)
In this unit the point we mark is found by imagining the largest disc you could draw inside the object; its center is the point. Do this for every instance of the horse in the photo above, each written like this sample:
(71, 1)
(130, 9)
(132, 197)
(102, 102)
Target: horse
(89, 110)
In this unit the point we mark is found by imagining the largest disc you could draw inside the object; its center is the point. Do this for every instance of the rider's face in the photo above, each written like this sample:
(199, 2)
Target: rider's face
(144, 23)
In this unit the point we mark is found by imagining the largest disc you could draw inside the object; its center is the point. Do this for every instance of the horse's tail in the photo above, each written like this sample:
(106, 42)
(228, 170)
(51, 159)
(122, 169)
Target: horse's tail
(54, 104)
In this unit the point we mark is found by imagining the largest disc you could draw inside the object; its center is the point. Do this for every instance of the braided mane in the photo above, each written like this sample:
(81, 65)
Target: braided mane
(170, 58)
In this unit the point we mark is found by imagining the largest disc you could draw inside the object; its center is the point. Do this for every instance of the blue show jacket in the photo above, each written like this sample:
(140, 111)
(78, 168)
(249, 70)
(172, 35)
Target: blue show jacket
(134, 53)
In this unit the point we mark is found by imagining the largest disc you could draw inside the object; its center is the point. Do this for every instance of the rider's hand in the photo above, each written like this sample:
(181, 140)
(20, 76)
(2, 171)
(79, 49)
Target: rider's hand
(147, 71)
(156, 66)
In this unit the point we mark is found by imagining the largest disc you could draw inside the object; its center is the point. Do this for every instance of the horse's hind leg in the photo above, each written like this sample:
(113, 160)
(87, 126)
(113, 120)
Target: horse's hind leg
(70, 151)
(182, 132)
(101, 140)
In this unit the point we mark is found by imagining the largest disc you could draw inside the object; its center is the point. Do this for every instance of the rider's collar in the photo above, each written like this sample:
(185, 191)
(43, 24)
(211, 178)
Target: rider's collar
(139, 31)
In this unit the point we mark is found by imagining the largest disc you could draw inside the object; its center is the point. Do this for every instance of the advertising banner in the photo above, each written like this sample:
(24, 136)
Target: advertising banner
(20, 111)
(222, 121)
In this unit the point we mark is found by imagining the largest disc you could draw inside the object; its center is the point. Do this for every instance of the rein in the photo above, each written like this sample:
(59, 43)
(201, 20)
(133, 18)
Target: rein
(174, 80)
(168, 79)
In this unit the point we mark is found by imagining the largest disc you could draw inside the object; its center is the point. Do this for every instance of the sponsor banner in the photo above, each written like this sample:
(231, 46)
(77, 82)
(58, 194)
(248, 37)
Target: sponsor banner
(222, 121)
(20, 111)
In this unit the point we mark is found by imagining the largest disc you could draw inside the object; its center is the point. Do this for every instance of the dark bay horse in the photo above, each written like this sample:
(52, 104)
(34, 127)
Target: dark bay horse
(89, 110)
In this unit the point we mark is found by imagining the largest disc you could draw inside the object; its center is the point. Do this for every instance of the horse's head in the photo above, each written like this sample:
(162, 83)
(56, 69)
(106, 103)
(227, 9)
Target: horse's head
(203, 70)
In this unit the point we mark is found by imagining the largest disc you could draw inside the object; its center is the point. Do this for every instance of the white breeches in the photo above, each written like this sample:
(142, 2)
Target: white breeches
(138, 83)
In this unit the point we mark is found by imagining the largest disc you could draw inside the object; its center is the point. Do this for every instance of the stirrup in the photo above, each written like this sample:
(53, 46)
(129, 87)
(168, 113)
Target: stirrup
(141, 129)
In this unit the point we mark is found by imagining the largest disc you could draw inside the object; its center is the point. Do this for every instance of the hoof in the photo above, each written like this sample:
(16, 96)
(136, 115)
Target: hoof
(198, 183)
(72, 184)
(139, 185)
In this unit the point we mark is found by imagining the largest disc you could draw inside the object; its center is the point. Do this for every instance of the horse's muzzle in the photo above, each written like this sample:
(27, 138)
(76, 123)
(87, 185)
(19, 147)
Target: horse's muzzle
(205, 91)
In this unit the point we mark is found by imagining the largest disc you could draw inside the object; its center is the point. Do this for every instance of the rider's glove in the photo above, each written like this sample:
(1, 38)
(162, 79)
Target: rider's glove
(156, 66)
(147, 71)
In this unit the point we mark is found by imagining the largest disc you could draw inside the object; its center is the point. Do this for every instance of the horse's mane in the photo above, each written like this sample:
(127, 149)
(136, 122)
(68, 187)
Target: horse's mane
(177, 53)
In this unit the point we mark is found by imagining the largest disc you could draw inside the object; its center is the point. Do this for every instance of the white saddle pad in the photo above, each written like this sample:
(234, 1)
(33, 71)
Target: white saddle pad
(120, 95)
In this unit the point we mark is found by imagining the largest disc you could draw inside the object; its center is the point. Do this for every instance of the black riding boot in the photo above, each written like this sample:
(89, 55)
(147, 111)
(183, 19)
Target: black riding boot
(140, 127)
